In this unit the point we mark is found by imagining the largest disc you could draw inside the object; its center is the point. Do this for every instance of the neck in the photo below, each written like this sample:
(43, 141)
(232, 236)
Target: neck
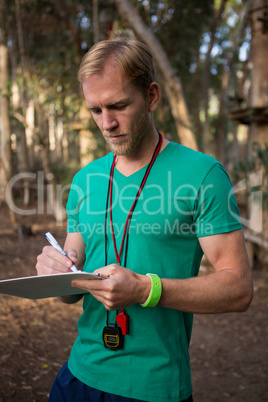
(129, 164)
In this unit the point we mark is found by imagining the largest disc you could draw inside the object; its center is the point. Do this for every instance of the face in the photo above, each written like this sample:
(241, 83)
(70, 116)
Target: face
(119, 109)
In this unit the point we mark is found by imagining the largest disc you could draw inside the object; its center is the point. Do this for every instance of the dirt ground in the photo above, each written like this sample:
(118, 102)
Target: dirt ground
(229, 353)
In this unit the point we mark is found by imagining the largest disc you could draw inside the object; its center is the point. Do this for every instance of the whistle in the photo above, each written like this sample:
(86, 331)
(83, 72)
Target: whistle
(122, 319)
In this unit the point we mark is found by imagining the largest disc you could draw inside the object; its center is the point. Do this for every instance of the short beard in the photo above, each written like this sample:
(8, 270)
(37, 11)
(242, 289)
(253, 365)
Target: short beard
(133, 140)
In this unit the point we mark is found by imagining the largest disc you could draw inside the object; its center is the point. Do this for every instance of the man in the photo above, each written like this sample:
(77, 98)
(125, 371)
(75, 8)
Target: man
(148, 207)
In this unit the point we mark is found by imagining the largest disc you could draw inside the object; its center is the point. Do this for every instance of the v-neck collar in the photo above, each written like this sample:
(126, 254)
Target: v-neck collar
(134, 176)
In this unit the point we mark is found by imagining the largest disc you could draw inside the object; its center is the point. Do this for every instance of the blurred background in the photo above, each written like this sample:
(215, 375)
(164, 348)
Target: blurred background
(211, 61)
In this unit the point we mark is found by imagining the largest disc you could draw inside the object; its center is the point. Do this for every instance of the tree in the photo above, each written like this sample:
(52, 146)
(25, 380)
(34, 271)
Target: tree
(206, 77)
(6, 155)
(258, 99)
(195, 44)
(173, 85)
(227, 80)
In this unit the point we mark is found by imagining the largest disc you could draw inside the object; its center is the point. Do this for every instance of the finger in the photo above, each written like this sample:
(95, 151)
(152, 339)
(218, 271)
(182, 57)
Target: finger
(55, 255)
(55, 264)
(101, 290)
(109, 270)
(89, 284)
(47, 271)
(72, 255)
(110, 301)
(46, 265)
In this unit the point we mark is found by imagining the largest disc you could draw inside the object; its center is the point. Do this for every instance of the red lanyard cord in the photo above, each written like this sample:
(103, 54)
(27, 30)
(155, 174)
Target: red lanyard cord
(127, 224)
(106, 213)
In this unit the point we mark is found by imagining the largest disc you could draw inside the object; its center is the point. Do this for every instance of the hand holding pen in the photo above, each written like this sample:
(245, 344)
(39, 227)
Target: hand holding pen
(56, 245)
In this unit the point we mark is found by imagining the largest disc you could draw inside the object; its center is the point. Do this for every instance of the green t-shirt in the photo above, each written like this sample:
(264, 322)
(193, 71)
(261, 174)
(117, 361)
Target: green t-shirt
(187, 195)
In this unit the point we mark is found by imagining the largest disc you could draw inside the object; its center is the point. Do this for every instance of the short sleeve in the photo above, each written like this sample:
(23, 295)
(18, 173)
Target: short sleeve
(216, 209)
(72, 207)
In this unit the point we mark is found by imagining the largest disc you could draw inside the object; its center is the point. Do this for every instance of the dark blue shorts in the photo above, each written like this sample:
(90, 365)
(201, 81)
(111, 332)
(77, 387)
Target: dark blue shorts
(67, 388)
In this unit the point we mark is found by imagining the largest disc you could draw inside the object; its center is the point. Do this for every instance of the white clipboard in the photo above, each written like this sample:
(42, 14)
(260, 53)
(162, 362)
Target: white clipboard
(43, 286)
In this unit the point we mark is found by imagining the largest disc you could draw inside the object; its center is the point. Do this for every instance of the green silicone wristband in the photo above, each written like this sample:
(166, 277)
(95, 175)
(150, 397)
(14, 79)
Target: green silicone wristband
(155, 293)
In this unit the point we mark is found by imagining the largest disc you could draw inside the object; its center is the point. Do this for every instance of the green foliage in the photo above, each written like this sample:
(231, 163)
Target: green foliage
(180, 26)
(57, 33)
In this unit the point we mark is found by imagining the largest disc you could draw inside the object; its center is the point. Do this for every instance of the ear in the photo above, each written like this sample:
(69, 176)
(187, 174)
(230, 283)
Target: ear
(154, 96)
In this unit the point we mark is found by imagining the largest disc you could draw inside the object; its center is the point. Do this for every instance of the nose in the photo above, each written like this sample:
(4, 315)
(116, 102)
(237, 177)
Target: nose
(109, 121)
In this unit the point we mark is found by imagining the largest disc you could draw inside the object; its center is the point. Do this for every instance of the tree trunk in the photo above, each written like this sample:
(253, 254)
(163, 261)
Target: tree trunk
(59, 138)
(259, 55)
(6, 154)
(234, 147)
(96, 20)
(206, 142)
(54, 205)
(196, 101)
(259, 84)
(65, 149)
(52, 133)
(23, 157)
(29, 131)
(258, 97)
(222, 120)
(8, 193)
(173, 85)
(221, 128)
(66, 14)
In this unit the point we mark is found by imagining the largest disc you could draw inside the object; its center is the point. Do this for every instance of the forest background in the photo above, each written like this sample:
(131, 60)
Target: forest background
(211, 60)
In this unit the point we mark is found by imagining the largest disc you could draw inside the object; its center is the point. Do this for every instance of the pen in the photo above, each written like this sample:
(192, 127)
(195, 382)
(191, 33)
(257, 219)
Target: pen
(56, 245)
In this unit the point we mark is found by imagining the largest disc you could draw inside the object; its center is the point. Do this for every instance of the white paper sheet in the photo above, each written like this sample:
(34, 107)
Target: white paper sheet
(43, 286)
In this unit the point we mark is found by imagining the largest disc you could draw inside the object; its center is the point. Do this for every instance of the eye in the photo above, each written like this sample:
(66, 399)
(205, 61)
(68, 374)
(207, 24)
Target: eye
(118, 107)
(121, 107)
(95, 111)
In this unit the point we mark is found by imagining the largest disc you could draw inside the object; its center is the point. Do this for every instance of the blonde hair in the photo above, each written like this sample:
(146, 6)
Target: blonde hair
(132, 57)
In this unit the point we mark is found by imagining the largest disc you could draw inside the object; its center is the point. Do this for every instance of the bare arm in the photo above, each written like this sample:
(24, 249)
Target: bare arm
(227, 289)
(74, 241)
(51, 261)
